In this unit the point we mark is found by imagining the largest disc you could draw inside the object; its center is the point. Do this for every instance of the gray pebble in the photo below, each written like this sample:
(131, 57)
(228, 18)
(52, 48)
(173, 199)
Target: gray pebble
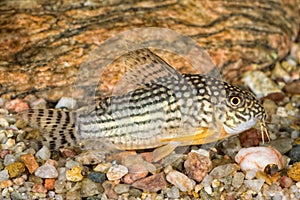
(46, 171)
(135, 192)
(121, 188)
(255, 184)
(97, 177)
(43, 153)
(173, 193)
(9, 159)
(4, 175)
(295, 154)
(223, 170)
(282, 145)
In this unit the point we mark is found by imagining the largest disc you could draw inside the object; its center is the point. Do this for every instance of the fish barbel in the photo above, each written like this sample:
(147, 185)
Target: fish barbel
(171, 108)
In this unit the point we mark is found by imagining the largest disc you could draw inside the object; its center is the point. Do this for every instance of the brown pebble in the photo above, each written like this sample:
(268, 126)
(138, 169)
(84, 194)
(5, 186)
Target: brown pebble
(6, 184)
(38, 188)
(276, 97)
(251, 138)
(136, 172)
(152, 183)
(147, 156)
(109, 191)
(49, 183)
(30, 162)
(19, 181)
(67, 153)
(197, 166)
(52, 162)
(15, 169)
(16, 105)
(120, 157)
(293, 87)
(285, 182)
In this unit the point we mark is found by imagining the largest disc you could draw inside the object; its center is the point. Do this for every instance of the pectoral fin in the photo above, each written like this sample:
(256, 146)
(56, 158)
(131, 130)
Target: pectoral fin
(163, 151)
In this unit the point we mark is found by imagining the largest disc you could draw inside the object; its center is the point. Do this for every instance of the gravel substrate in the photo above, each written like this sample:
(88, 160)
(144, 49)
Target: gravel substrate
(210, 171)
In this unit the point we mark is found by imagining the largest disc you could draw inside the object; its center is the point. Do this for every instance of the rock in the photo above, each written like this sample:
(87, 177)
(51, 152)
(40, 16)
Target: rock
(15, 169)
(181, 181)
(102, 167)
(135, 192)
(74, 174)
(223, 170)
(260, 84)
(4, 175)
(4, 152)
(238, 179)
(90, 188)
(280, 74)
(255, 185)
(295, 154)
(72, 195)
(293, 87)
(173, 193)
(39, 103)
(39, 188)
(121, 188)
(49, 183)
(91, 157)
(197, 166)
(152, 183)
(66, 102)
(251, 137)
(285, 182)
(46, 171)
(283, 145)
(20, 180)
(4, 123)
(97, 177)
(207, 180)
(16, 105)
(294, 172)
(230, 146)
(71, 163)
(136, 172)
(43, 153)
(67, 153)
(6, 184)
(9, 159)
(109, 191)
(116, 172)
(30, 162)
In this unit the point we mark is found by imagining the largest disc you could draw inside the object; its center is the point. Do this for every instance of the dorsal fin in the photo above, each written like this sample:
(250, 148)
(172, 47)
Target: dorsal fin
(143, 67)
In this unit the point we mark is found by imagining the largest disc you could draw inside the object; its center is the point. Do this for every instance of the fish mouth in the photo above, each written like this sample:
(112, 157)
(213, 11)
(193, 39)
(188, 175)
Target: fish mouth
(241, 127)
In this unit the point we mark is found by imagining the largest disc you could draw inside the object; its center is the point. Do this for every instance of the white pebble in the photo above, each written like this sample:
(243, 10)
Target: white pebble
(254, 185)
(116, 172)
(4, 175)
(46, 171)
(250, 174)
(9, 159)
(44, 153)
(208, 190)
(181, 181)
(3, 123)
(66, 102)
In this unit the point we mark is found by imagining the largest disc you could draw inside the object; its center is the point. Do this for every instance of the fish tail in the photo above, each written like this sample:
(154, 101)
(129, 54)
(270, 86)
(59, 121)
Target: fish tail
(57, 126)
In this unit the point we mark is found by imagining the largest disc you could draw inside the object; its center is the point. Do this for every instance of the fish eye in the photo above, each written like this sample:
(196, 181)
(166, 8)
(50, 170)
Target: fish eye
(235, 100)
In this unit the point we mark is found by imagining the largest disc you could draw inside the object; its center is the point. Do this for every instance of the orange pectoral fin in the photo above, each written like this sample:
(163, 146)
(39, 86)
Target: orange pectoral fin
(199, 136)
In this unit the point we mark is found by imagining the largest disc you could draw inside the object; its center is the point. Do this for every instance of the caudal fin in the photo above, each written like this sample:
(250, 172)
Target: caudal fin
(57, 127)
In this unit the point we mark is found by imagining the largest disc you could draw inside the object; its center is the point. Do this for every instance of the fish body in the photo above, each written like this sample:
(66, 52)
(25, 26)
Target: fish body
(182, 108)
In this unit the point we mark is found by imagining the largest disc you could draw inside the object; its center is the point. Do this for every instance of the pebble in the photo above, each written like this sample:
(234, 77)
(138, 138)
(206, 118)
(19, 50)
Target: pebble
(223, 170)
(255, 184)
(90, 188)
(46, 171)
(173, 193)
(121, 188)
(136, 172)
(251, 137)
(66, 102)
(97, 177)
(280, 73)
(238, 179)
(39, 188)
(116, 172)
(294, 172)
(285, 182)
(9, 159)
(43, 153)
(207, 180)
(230, 146)
(30, 162)
(295, 154)
(283, 145)
(4, 175)
(102, 167)
(181, 181)
(293, 87)
(49, 183)
(109, 191)
(260, 84)
(71, 163)
(74, 174)
(197, 166)
(135, 192)
(6, 184)
(20, 180)
(39, 103)
(91, 157)
(153, 183)
(4, 123)
(15, 169)
(16, 105)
